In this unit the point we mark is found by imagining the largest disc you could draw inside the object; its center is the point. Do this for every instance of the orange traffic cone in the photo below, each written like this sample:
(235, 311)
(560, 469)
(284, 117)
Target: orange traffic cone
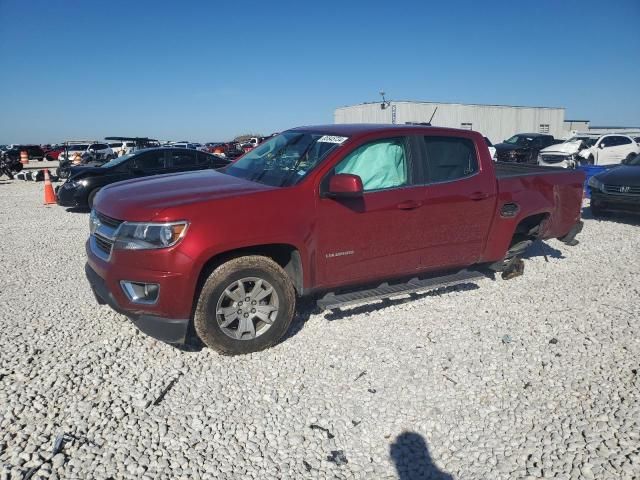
(49, 195)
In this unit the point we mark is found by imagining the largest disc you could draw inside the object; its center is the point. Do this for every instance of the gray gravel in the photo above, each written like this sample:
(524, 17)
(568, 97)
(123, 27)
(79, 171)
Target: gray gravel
(534, 377)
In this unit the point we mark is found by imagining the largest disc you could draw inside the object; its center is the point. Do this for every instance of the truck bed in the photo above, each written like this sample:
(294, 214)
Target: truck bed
(510, 170)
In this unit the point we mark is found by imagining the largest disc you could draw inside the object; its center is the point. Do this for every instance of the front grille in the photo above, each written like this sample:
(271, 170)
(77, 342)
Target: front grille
(509, 156)
(110, 222)
(103, 244)
(621, 190)
(554, 158)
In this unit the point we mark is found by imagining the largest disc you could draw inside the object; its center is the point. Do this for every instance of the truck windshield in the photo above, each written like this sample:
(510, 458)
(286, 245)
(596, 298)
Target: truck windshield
(286, 159)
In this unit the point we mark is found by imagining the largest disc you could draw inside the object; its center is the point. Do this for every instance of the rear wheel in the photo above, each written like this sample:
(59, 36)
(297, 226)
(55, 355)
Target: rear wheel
(245, 305)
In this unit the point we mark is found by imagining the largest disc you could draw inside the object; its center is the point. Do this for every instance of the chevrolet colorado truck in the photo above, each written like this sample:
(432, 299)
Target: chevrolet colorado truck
(346, 213)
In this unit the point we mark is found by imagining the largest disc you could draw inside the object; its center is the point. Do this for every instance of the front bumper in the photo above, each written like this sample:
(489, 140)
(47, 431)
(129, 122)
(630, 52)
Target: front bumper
(169, 330)
(71, 197)
(615, 203)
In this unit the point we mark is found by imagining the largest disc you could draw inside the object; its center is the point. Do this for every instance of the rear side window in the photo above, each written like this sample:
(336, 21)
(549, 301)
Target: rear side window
(450, 158)
(623, 141)
(183, 158)
(150, 161)
(380, 165)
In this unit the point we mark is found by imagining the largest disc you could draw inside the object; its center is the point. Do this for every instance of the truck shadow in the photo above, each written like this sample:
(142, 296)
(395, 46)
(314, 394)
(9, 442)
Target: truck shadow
(412, 460)
(541, 249)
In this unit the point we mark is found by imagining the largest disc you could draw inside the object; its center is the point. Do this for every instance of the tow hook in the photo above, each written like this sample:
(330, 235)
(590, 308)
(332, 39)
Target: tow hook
(513, 269)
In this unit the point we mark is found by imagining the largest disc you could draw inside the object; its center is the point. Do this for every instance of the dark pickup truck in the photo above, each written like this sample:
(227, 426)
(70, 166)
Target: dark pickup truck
(346, 213)
(523, 147)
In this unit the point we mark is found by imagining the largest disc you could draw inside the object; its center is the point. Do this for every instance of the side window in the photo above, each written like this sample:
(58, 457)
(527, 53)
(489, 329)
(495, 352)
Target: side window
(450, 158)
(381, 164)
(623, 141)
(203, 159)
(150, 161)
(183, 159)
(609, 142)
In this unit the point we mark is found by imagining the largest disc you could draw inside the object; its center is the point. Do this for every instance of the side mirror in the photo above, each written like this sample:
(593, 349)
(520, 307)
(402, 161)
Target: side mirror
(345, 185)
(602, 145)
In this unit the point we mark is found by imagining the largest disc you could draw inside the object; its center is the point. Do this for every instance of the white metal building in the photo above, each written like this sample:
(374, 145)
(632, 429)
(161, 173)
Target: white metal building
(497, 122)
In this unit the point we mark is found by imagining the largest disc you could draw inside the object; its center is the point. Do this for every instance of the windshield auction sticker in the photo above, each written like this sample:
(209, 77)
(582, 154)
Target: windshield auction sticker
(332, 139)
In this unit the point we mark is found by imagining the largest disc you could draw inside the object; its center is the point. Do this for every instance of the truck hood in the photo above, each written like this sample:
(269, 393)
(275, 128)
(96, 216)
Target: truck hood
(624, 175)
(568, 148)
(144, 199)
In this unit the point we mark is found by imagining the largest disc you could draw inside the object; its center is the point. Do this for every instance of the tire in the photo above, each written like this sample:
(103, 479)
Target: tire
(218, 294)
(91, 197)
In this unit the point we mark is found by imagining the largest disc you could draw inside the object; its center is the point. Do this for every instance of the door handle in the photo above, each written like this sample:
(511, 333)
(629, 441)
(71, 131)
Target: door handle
(409, 205)
(479, 196)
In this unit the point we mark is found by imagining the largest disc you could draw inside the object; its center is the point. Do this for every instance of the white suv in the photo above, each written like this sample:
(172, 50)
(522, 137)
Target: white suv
(610, 149)
(591, 150)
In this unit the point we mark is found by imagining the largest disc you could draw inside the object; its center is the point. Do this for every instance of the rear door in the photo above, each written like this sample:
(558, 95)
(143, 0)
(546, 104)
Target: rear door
(182, 160)
(459, 202)
(149, 163)
(376, 235)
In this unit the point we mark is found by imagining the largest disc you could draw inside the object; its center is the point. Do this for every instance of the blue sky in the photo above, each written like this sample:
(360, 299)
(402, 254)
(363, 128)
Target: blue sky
(206, 70)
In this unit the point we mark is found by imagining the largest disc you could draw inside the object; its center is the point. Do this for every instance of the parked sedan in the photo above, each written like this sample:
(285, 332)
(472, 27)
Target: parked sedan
(617, 189)
(84, 182)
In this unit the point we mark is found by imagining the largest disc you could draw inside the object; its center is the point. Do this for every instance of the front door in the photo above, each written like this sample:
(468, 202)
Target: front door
(376, 235)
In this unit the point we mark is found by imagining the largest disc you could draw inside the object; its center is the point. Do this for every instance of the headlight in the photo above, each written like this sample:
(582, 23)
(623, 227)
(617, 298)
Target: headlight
(596, 184)
(145, 236)
(77, 183)
(94, 222)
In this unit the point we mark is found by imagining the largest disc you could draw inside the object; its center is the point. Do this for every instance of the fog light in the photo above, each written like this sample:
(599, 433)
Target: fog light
(140, 292)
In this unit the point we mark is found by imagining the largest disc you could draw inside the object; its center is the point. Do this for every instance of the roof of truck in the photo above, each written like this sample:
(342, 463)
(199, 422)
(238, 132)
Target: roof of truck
(349, 129)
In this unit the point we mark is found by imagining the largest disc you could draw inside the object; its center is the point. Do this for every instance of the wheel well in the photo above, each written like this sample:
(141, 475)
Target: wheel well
(529, 227)
(287, 256)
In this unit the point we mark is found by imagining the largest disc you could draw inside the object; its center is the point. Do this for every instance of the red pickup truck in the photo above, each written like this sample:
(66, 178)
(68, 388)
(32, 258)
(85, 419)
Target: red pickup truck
(344, 212)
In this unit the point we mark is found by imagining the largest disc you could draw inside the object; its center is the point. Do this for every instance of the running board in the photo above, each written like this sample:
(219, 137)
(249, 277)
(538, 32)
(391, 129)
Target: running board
(331, 300)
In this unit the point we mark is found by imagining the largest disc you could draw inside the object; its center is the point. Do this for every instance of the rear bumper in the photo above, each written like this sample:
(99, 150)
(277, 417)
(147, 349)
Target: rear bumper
(570, 237)
(169, 330)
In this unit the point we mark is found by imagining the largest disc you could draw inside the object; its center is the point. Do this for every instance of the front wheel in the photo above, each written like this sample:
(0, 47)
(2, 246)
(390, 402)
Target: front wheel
(245, 305)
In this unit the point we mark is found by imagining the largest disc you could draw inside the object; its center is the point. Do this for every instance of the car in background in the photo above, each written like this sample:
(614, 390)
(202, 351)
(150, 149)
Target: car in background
(565, 155)
(97, 151)
(190, 145)
(492, 149)
(84, 182)
(53, 153)
(34, 152)
(617, 189)
(523, 147)
(637, 140)
(610, 150)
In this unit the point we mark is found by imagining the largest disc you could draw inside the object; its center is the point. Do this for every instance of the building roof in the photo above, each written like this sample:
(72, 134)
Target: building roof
(453, 103)
(609, 128)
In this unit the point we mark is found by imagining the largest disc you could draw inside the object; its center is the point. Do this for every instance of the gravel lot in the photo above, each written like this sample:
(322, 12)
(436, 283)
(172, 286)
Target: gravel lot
(534, 377)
